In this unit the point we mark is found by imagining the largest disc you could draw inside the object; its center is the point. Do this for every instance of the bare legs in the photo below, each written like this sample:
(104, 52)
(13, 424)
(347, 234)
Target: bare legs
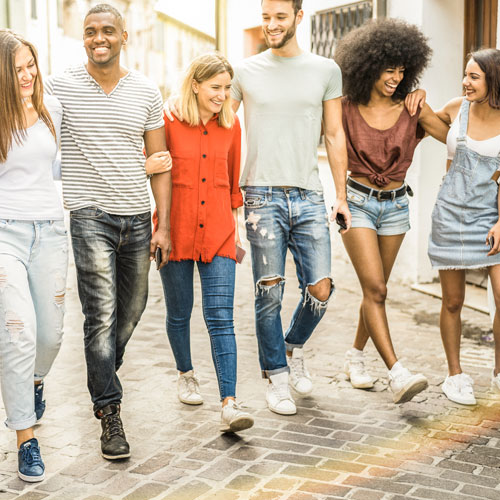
(373, 258)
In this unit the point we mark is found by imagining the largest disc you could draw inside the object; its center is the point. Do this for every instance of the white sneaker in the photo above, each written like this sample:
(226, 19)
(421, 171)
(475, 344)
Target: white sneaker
(188, 389)
(278, 397)
(495, 382)
(232, 419)
(458, 388)
(300, 380)
(354, 368)
(404, 385)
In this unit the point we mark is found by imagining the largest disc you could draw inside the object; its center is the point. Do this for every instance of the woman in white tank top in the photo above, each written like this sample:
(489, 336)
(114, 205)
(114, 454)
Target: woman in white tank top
(465, 221)
(33, 246)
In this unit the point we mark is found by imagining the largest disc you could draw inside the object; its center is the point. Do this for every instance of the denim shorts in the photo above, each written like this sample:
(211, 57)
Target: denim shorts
(386, 217)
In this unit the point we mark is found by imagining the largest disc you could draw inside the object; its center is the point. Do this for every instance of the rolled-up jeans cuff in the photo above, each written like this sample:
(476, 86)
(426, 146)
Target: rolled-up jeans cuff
(268, 373)
(21, 425)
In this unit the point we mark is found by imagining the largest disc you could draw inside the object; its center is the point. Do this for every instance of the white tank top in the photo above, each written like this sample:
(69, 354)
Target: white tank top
(27, 189)
(487, 147)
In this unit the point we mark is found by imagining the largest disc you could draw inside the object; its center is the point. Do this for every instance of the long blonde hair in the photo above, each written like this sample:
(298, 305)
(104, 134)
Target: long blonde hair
(201, 69)
(12, 118)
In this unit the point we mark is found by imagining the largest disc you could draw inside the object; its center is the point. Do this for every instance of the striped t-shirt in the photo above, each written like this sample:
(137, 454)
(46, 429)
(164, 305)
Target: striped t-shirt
(102, 140)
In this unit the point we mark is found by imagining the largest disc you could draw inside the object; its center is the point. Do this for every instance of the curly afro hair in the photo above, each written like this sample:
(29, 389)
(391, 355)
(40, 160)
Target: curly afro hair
(364, 53)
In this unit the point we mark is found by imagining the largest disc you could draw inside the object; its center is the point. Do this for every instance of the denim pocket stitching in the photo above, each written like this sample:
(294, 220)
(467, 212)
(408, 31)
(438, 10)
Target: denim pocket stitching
(253, 201)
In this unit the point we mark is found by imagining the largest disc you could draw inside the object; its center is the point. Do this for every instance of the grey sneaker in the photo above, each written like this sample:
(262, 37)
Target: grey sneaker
(354, 368)
(300, 380)
(188, 389)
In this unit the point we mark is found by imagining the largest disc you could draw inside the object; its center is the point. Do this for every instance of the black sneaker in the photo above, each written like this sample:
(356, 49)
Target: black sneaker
(113, 441)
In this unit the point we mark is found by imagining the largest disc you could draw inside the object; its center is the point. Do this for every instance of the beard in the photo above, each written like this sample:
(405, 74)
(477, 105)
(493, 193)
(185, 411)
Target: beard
(289, 33)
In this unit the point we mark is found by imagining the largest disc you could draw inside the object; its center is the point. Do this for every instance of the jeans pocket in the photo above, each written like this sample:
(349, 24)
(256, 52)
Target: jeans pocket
(145, 216)
(254, 201)
(59, 228)
(402, 202)
(356, 197)
(87, 213)
(315, 197)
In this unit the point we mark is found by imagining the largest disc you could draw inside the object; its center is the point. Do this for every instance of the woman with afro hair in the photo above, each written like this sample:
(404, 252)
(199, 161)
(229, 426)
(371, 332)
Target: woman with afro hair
(381, 64)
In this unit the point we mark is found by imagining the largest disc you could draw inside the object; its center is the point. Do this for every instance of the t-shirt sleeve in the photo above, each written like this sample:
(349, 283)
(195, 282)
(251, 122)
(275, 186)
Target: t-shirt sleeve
(55, 110)
(236, 92)
(155, 118)
(334, 87)
(48, 85)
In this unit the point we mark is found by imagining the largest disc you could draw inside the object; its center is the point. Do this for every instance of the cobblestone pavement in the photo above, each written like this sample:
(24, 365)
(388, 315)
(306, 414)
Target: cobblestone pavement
(343, 443)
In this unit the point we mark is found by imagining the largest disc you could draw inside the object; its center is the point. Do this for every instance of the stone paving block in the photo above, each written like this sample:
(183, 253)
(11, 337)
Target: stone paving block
(188, 464)
(54, 483)
(224, 495)
(153, 464)
(376, 431)
(274, 444)
(221, 469)
(315, 440)
(247, 453)
(364, 449)
(310, 473)
(98, 476)
(261, 432)
(474, 458)
(32, 495)
(377, 484)
(334, 454)
(282, 483)
(243, 482)
(457, 466)
(490, 472)
(381, 472)
(7, 495)
(266, 495)
(301, 496)
(121, 484)
(223, 442)
(361, 494)
(293, 459)
(324, 489)
(379, 460)
(83, 466)
(264, 468)
(480, 491)
(343, 466)
(388, 443)
(332, 424)
(347, 436)
(441, 495)
(307, 429)
(147, 491)
(97, 497)
(430, 481)
(190, 491)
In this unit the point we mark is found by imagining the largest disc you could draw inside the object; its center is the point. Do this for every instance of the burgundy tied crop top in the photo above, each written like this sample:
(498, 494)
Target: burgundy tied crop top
(380, 155)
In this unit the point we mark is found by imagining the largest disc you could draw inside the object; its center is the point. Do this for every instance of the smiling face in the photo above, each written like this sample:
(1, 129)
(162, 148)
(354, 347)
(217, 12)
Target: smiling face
(474, 82)
(26, 71)
(212, 93)
(388, 81)
(279, 22)
(103, 38)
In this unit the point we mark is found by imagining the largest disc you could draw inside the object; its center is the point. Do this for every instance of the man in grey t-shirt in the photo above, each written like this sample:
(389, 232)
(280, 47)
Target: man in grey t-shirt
(288, 94)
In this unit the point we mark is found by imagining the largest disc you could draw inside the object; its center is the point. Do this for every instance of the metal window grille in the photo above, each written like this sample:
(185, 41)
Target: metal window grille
(327, 27)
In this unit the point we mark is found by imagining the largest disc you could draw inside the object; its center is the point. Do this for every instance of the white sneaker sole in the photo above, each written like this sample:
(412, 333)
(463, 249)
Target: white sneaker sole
(410, 390)
(282, 412)
(115, 457)
(238, 424)
(362, 385)
(31, 479)
(301, 393)
(189, 402)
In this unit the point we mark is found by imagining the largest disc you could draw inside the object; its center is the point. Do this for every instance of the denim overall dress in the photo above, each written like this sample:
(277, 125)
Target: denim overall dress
(466, 208)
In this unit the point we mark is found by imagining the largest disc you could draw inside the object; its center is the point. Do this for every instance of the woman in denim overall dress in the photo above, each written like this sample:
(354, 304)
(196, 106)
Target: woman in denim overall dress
(465, 220)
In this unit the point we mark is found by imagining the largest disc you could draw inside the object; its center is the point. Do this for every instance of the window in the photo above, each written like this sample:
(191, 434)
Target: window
(329, 26)
(480, 25)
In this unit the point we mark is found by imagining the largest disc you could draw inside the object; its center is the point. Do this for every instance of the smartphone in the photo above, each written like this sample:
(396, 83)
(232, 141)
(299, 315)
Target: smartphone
(340, 220)
(158, 257)
(240, 253)
(491, 242)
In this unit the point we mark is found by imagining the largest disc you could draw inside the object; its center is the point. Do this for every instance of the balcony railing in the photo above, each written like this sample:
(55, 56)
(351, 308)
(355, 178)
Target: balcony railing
(329, 26)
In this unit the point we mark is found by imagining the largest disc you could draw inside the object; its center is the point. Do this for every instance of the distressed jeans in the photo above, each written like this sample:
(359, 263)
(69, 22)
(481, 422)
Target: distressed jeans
(217, 291)
(112, 264)
(278, 219)
(33, 266)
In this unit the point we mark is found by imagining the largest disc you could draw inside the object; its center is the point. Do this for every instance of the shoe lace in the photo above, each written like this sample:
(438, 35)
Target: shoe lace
(193, 385)
(113, 425)
(466, 383)
(31, 455)
(298, 367)
(281, 391)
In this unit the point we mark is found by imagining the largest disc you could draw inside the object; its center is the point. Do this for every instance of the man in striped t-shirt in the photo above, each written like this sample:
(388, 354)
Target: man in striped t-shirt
(109, 115)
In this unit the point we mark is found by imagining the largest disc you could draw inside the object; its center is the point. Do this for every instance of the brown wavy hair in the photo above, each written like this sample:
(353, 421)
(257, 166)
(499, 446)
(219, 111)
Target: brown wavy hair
(366, 52)
(12, 118)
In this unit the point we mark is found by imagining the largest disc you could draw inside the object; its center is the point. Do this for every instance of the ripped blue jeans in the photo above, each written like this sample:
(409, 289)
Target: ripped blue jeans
(33, 266)
(278, 219)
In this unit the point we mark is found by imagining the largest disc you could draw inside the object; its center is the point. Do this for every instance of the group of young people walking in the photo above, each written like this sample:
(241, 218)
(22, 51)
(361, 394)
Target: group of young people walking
(104, 116)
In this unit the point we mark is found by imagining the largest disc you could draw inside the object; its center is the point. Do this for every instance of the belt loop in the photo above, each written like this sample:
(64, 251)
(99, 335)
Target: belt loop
(393, 195)
(302, 193)
(370, 195)
(379, 195)
(269, 194)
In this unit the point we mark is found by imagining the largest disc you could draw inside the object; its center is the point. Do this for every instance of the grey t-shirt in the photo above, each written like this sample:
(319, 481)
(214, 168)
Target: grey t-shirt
(283, 100)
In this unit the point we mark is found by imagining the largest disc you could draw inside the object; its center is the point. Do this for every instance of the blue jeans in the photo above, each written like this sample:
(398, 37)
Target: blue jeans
(278, 219)
(33, 266)
(112, 264)
(217, 289)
